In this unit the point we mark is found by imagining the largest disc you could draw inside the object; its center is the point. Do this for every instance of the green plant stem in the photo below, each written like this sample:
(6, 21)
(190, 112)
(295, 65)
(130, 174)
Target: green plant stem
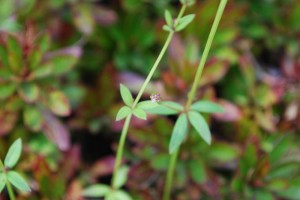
(212, 33)
(161, 54)
(8, 185)
(137, 99)
(192, 93)
(169, 180)
(121, 148)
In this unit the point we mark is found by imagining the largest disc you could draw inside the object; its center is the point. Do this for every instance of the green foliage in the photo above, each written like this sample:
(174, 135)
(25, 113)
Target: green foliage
(179, 133)
(9, 176)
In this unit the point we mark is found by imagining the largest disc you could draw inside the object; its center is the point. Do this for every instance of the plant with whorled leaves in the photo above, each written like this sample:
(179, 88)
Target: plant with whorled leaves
(27, 69)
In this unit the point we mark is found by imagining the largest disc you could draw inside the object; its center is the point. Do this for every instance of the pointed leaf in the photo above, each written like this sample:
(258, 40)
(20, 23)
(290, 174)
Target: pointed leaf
(145, 105)
(166, 108)
(184, 21)
(15, 53)
(168, 18)
(200, 125)
(63, 63)
(2, 181)
(43, 42)
(167, 28)
(29, 92)
(6, 90)
(126, 95)
(18, 181)
(13, 154)
(121, 177)
(207, 107)
(123, 112)
(42, 71)
(140, 113)
(179, 133)
(59, 104)
(97, 190)
(118, 195)
(32, 118)
(34, 59)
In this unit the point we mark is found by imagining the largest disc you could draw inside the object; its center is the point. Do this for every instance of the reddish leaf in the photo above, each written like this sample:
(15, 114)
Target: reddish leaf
(56, 131)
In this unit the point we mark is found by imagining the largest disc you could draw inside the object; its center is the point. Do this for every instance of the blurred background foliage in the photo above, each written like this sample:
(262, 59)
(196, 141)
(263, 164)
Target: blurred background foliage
(61, 62)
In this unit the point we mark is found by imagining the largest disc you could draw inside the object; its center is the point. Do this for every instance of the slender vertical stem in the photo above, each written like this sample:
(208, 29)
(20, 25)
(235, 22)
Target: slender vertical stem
(192, 93)
(219, 14)
(169, 180)
(161, 54)
(8, 185)
(121, 148)
(128, 118)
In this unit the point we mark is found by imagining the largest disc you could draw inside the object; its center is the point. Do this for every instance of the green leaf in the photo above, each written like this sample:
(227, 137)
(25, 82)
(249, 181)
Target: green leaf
(168, 18)
(4, 56)
(15, 53)
(145, 105)
(184, 21)
(123, 112)
(167, 28)
(166, 108)
(43, 42)
(18, 181)
(179, 133)
(2, 181)
(29, 92)
(62, 64)
(42, 71)
(126, 95)
(13, 154)
(121, 177)
(32, 118)
(140, 113)
(97, 190)
(6, 90)
(197, 170)
(59, 103)
(160, 162)
(5, 74)
(34, 59)
(200, 125)
(207, 107)
(118, 195)
(222, 152)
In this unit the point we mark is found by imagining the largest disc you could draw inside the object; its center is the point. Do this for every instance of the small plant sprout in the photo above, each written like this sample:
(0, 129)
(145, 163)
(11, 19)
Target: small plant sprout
(9, 177)
(133, 106)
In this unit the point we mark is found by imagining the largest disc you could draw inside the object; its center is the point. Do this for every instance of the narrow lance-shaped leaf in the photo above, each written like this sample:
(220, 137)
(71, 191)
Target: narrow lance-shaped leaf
(183, 22)
(13, 154)
(97, 190)
(199, 123)
(126, 95)
(121, 177)
(207, 107)
(167, 28)
(168, 18)
(145, 105)
(140, 113)
(166, 108)
(2, 181)
(123, 112)
(179, 132)
(18, 181)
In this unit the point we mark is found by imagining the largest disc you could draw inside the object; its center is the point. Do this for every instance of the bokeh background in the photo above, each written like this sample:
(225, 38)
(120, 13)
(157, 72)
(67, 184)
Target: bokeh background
(61, 64)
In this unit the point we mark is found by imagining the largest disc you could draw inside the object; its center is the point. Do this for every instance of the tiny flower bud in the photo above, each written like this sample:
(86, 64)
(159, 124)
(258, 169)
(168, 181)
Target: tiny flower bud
(155, 98)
